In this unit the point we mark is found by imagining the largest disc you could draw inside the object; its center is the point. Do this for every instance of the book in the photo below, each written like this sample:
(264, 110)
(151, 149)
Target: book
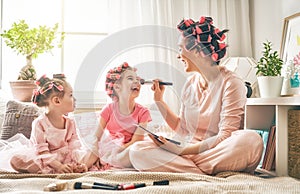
(264, 173)
(264, 133)
(269, 156)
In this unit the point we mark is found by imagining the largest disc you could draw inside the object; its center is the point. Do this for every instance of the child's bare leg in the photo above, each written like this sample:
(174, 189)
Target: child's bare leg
(20, 165)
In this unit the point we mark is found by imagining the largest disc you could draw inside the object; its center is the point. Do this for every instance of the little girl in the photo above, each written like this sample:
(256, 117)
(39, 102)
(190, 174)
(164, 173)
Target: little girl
(55, 145)
(117, 131)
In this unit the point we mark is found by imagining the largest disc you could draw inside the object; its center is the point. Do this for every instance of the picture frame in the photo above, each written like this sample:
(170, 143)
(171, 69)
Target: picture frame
(289, 49)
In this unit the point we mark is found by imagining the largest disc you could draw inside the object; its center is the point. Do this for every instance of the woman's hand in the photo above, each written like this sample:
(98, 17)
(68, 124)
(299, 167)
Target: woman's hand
(158, 90)
(166, 145)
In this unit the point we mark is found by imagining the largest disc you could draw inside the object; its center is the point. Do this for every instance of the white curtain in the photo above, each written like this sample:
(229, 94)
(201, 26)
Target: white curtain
(157, 61)
(229, 14)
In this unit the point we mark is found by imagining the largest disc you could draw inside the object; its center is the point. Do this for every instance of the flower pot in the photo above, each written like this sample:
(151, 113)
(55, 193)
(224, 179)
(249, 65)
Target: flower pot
(22, 89)
(269, 86)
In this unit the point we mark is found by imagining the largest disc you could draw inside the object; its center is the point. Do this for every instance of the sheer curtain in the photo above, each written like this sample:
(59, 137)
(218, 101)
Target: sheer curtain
(154, 22)
(229, 14)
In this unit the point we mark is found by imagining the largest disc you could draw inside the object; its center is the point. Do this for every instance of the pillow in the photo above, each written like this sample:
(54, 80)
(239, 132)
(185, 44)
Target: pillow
(18, 118)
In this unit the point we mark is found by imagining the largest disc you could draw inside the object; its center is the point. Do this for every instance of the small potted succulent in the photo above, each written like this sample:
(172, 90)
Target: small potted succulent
(30, 42)
(269, 72)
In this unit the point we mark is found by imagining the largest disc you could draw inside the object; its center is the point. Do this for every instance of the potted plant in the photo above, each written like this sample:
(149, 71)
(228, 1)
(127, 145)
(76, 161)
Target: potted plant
(29, 42)
(269, 72)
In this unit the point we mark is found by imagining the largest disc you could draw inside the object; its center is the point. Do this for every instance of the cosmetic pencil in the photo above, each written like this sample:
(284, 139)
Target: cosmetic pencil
(162, 182)
(131, 186)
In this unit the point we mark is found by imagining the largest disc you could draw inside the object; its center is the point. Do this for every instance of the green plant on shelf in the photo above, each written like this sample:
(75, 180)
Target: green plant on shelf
(270, 64)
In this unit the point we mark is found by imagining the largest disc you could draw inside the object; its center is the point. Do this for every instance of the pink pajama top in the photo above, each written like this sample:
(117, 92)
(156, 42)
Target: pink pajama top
(120, 125)
(63, 144)
(212, 114)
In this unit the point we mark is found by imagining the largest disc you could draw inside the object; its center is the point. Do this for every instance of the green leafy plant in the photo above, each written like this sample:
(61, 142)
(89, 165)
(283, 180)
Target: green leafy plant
(31, 42)
(270, 64)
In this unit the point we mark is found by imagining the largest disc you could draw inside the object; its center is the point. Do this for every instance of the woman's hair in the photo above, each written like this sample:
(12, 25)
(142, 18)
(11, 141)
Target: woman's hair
(114, 75)
(204, 36)
(47, 88)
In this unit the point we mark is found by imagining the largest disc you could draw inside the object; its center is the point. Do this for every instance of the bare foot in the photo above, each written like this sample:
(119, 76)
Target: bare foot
(21, 166)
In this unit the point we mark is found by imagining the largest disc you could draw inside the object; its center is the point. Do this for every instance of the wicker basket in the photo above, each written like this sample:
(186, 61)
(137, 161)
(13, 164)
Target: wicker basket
(294, 143)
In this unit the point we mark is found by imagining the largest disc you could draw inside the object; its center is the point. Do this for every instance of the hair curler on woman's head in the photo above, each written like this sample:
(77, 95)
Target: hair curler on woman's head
(204, 36)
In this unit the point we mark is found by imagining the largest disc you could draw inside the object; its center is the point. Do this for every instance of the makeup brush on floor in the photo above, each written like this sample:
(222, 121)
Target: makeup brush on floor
(60, 186)
(142, 81)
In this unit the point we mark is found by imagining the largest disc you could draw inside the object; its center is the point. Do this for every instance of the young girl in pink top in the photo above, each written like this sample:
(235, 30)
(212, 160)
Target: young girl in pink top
(117, 131)
(55, 147)
(211, 117)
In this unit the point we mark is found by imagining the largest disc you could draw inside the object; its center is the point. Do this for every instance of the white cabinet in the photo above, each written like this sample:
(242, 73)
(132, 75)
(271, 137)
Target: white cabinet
(261, 113)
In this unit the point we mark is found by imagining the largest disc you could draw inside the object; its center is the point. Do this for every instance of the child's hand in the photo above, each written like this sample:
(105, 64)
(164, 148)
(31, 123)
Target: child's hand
(65, 168)
(101, 165)
(79, 168)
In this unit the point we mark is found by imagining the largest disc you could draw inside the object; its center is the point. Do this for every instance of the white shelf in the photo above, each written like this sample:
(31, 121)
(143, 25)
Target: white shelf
(261, 113)
(294, 100)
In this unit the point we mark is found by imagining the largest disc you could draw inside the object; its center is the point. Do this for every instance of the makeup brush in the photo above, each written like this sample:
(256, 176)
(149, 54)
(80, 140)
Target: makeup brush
(80, 185)
(142, 81)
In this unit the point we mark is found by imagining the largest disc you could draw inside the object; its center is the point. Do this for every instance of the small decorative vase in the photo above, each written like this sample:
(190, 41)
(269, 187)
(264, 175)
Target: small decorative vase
(295, 81)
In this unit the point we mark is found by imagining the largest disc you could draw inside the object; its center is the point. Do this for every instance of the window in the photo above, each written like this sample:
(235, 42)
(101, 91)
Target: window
(130, 32)
(84, 24)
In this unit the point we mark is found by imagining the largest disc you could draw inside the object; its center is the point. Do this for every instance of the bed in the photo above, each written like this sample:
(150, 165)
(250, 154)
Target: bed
(226, 182)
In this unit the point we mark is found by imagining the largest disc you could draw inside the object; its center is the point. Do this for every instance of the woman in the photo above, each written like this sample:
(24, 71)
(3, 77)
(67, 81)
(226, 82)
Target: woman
(211, 115)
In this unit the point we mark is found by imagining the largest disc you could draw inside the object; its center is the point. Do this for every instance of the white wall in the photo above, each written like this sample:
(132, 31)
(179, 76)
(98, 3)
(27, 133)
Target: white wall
(267, 17)
(290, 7)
